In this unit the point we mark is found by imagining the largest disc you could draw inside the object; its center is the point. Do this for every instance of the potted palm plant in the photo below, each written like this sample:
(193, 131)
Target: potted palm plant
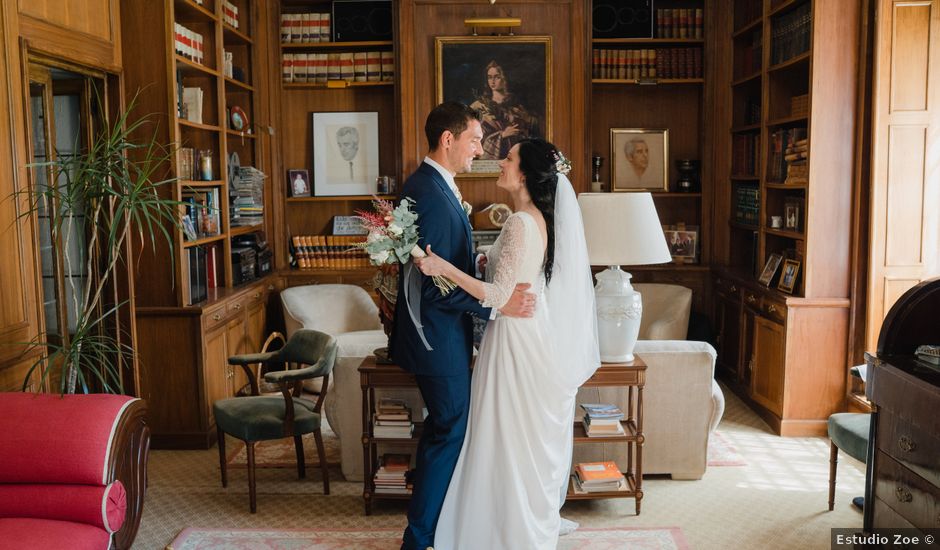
(114, 183)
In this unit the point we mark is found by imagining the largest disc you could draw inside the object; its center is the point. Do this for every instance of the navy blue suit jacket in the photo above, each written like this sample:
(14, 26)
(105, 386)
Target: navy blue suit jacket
(447, 321)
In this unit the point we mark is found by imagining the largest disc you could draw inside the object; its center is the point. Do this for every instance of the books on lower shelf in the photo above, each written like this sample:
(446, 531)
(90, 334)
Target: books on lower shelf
(202, 209)
(602, 420)
(630, 64)
(392, 476)
(598, 477)
(392, 420)
(318, 68)
(328, 252)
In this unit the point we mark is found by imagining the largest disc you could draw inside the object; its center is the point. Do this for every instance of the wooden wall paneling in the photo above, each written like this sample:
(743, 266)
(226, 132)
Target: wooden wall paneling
(905, 185)
(271, 133)
(84, 31)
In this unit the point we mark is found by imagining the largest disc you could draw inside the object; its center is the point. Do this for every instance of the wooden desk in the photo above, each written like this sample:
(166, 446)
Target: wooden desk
(631, 376)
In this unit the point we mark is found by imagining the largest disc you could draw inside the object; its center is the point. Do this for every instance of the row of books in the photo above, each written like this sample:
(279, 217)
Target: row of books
(328, 252)
(745, 154)
(392, 476)
(392, 420)
(780, 141)
(751, 55)
(187, 164)
(747, 204)
(799, 105)
(202, 270)
(201, 213)
(350, 66)
(791, 34)
(246, 193)
(305, 28)
(230, 13)
(598, 477)
(602, 420)
(188, 43)
(646, 63)
(680, 22)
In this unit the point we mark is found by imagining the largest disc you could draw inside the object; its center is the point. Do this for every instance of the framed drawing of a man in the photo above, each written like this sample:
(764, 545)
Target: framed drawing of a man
(507, 79)
(639, 159)
(345, 153)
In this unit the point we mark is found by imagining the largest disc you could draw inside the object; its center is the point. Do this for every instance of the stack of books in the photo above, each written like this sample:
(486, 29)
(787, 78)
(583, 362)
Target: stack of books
(598, 477)
(602, 420)
(392, 420)
(246, 196)
(796, 158)
(391, 477)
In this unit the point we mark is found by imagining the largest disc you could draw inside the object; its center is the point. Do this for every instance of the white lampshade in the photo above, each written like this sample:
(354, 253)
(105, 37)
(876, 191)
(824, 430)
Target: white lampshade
(623, 229)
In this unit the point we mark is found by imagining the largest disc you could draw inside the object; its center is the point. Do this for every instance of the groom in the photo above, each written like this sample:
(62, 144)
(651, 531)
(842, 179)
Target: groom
(443, 373)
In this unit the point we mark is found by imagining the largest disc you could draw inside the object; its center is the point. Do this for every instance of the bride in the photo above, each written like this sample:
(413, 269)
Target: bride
(514, 466)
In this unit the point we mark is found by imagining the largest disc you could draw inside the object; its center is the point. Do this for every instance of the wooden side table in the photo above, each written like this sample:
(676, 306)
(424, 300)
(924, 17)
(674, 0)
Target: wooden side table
(632, 377)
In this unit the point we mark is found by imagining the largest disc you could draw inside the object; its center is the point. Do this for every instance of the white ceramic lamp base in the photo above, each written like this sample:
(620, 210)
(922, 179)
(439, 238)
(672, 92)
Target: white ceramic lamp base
(619, 309)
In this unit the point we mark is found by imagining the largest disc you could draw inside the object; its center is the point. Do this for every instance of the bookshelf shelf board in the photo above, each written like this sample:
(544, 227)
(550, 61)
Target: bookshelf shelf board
(231, 35)
(204, 240)
(198, 125)
(629, 428)
(340, 85)
(335, 45)
(187, 10)
(629, 492)
(237, 85)
(784, 233)
(675, 195)
(240, 135)
(343, 198)
(785, 6)
(793, 61)
(244, 229)
(786, 121)
(742, 226)
(748, 27)
(653, 41)
(187, 66)
(753, 77)
(745, 177)
(786, 186)
(745, 128)
(648, 81)
(201, 183)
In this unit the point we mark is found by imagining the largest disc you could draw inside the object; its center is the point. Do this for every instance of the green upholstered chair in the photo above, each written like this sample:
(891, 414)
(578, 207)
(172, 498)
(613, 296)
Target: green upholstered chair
(849, 432)
(262, 417)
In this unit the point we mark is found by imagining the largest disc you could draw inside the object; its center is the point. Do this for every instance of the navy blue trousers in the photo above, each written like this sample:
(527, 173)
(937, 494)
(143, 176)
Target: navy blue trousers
(448, 402)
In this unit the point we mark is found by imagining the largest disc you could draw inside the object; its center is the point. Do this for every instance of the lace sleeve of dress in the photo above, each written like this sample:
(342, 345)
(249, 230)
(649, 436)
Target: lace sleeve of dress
(510, 256)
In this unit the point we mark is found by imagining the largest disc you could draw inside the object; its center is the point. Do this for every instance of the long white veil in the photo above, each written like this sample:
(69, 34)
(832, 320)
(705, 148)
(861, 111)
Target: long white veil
(570, 293)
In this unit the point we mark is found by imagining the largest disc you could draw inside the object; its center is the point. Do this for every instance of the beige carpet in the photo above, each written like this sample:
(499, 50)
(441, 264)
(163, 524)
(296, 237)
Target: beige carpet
(777, 500)
(280, 453)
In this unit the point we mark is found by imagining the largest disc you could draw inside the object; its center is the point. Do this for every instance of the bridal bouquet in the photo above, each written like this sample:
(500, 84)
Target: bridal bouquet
(393, 237)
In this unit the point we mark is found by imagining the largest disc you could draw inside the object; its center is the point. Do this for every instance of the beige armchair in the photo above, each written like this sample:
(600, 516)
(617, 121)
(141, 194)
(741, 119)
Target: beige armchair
(682, 402)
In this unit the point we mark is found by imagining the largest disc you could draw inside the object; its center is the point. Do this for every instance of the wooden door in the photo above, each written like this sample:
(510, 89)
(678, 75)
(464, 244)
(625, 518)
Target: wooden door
(216, 369)
(729, 336)
(238, 344)
(769, 360)
(905, 187)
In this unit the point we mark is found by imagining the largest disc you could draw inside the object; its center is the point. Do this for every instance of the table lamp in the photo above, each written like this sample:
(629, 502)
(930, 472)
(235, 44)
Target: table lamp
(620, 229)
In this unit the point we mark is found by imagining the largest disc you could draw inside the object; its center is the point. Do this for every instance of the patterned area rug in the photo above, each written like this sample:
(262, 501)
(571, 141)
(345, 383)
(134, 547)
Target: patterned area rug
(669, 538)
(279, 453)
(722, 453)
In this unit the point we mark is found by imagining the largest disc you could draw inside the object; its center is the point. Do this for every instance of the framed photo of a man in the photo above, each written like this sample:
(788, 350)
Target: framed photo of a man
(639, 159)
(508, 79)
(345, 153)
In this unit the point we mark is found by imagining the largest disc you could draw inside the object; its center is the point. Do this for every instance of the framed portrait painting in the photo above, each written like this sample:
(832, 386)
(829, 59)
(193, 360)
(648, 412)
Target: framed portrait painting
(639, 159)
(508, 79)
(345, 153)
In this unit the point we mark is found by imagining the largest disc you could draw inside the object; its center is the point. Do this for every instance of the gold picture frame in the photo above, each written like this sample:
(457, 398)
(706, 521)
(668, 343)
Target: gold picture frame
(468, 69)
(639, 159)
(788, 276)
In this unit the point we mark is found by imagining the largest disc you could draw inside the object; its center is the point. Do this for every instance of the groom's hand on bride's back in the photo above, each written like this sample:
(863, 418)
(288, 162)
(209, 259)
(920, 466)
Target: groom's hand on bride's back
(521, 303)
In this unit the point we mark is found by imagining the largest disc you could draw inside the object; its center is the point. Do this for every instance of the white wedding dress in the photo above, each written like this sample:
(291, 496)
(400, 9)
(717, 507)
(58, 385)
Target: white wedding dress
(515, 460)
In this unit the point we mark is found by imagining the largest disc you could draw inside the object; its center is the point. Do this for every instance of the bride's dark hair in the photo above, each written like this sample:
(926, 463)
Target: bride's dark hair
(537, 159)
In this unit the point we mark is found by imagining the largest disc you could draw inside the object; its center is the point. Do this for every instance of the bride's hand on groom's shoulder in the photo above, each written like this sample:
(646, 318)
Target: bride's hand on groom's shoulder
(431, 265)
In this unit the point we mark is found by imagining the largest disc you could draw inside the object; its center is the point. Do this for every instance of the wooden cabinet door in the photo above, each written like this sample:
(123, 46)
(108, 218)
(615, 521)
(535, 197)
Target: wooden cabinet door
(237, 345)
(729, 337)
(216, 370)
(767, 370)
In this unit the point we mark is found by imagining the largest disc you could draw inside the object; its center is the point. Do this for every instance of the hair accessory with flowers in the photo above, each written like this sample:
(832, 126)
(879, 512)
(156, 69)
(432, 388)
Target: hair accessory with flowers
(562, 164)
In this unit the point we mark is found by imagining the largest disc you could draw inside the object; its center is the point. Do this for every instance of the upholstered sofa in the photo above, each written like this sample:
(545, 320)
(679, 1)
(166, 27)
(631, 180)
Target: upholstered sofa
(683, 403)
(72, 470)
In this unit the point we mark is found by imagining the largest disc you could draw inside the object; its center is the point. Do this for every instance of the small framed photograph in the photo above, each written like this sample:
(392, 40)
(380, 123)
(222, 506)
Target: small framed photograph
(345, 153)
(639, 159)
(791, 269)
(793, 214)
(298, 183)
(682, 242)
(770, 269)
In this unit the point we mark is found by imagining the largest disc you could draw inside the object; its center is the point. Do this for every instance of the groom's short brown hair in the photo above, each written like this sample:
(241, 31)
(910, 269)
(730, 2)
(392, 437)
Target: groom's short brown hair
(450, 116)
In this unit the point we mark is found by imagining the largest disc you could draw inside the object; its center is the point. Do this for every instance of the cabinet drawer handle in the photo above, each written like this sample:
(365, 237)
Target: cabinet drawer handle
(217, 316)
(903, 494)
(256, 295)
(751, 298)
(237, 306)
(718, 282)
(906, 444)
(734, 288)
